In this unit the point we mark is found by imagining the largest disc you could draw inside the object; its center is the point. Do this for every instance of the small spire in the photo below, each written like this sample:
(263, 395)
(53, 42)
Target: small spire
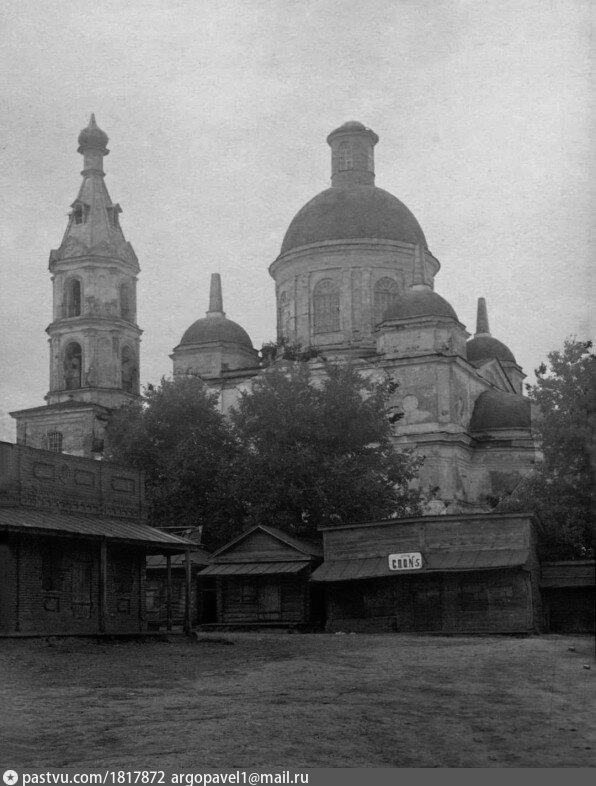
(215, 297)
(419, 278)
(482, 328)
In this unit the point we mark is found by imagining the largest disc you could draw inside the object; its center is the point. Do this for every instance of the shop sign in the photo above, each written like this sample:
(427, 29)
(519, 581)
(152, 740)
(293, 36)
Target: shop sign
(412, 560)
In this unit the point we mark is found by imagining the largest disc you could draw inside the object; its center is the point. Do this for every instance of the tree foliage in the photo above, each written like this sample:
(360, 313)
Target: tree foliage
(297, 453)
(176, 434)
(562, 490)
(317, 452)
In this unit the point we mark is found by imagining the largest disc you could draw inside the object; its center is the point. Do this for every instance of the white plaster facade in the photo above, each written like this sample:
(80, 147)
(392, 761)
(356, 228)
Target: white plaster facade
(355, 281)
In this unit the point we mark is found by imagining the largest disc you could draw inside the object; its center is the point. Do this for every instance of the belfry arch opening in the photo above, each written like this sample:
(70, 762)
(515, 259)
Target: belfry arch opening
(125, 302)
(73, 363)
(128, 366)
(73, 298)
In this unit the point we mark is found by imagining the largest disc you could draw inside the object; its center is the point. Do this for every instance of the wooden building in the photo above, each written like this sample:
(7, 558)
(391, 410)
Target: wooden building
(261, 579)
(166, 609)
(568, 596)
(464, 573)
(73, 545)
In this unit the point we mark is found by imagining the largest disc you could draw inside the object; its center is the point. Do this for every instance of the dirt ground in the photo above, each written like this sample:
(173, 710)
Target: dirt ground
(265, 700)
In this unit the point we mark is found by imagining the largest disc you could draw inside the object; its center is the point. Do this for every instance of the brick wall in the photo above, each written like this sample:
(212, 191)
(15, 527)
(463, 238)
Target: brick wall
(41, 478)
(51, 586)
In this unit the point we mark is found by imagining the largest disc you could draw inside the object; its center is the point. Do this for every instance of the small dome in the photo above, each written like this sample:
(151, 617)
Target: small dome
(495, 409)
(420, 303)
(360, 212)
(351, 125)
(93, 136)
(214, 329)
(481, 348)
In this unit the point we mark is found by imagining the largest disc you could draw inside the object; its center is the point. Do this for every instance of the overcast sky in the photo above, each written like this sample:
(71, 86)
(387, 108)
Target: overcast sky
(217, 113)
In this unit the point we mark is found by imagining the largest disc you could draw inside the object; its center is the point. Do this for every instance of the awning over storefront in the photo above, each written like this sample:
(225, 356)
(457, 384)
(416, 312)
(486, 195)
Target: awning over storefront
(93, 526)
(376, 567)
(253, 568)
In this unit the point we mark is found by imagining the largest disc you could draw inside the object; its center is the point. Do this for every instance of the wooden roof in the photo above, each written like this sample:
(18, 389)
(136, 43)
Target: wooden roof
(253, 568)
(306, 548)
(46, 522)
(438, 562)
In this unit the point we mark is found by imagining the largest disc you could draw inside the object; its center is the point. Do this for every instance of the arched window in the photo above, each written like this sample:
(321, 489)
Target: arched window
(73, 362)
(129, 370)
(72, 297)
(53, 441)
(386, 293)
(326, 306)
(345, 156)
(125, 302)
(284, 316)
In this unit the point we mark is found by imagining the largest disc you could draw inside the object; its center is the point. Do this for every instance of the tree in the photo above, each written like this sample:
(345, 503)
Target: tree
(562, 489)
(187, 449)
(318, 451)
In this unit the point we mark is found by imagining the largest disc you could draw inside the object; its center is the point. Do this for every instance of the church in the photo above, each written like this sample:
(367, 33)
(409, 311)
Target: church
(354, 281)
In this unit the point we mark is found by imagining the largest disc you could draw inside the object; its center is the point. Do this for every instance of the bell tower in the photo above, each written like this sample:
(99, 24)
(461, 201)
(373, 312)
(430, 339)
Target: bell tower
(94, 338)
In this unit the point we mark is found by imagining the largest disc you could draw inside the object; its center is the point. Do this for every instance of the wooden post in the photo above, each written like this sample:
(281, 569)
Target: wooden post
(103, 585)
(142, 562)
(187, 598)
(17, 626)
(168, 592)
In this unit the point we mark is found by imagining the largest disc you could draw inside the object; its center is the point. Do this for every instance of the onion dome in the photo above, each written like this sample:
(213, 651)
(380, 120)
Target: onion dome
(495, 409)
(419, 300)
(92, 136)
(483, 346)
(215, 327)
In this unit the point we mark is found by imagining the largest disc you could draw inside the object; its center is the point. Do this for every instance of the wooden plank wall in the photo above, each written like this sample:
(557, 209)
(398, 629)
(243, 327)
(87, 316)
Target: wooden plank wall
(259, 547)
(480, 601)
(442, 534)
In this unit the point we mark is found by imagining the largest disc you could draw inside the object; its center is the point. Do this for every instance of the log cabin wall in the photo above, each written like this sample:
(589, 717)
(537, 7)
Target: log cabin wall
(264, 599)
(263, 576)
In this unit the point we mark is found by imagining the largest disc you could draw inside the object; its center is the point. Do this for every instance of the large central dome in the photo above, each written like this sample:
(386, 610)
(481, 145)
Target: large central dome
(347, 254)
(359, 212)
